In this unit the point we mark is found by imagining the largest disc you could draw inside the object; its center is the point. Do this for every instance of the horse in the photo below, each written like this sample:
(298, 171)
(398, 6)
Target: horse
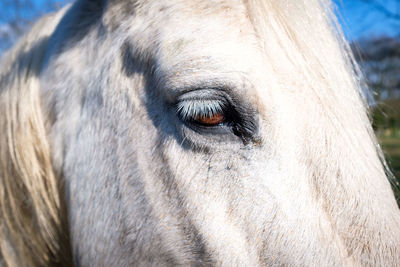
(190, 133)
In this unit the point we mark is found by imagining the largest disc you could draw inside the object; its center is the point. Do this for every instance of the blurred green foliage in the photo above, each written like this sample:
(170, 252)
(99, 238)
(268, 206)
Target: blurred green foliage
(386, 122)
(386, 117)
(391, 148)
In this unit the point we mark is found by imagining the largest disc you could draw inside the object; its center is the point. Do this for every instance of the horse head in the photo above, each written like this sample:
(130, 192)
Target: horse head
(227, 133)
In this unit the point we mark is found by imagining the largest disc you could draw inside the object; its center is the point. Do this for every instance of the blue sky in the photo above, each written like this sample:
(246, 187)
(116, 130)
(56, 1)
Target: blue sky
(363, 18)
(358, 17)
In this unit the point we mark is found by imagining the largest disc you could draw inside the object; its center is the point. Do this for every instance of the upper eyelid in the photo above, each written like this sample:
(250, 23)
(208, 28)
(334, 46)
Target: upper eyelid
(215, 86)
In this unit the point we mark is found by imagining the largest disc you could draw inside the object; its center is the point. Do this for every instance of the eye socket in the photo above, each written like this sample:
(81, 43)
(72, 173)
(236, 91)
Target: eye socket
(213, 112)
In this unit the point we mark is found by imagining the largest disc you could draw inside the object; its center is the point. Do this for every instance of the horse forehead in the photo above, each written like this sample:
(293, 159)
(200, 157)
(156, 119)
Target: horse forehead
(193, 7)
(198, 36)
(194, 19)
(212, 43)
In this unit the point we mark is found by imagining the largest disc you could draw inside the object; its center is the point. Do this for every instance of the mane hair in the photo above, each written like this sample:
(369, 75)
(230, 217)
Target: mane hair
(334, 80)
(32, 217)
(340, 73)
(348, 171)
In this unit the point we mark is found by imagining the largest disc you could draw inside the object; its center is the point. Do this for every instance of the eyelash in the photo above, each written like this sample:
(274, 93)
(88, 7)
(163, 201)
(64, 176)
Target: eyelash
(188, 110)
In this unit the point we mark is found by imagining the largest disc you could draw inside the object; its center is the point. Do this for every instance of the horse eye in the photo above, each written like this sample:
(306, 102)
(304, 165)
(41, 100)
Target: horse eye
(206, 112)
(211, 120)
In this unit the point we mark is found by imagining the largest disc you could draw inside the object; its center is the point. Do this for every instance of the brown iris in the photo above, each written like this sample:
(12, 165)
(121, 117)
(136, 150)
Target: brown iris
(212, 120)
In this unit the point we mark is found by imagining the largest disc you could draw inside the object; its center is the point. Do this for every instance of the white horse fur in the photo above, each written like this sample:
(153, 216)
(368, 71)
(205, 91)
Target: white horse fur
(104, 164)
